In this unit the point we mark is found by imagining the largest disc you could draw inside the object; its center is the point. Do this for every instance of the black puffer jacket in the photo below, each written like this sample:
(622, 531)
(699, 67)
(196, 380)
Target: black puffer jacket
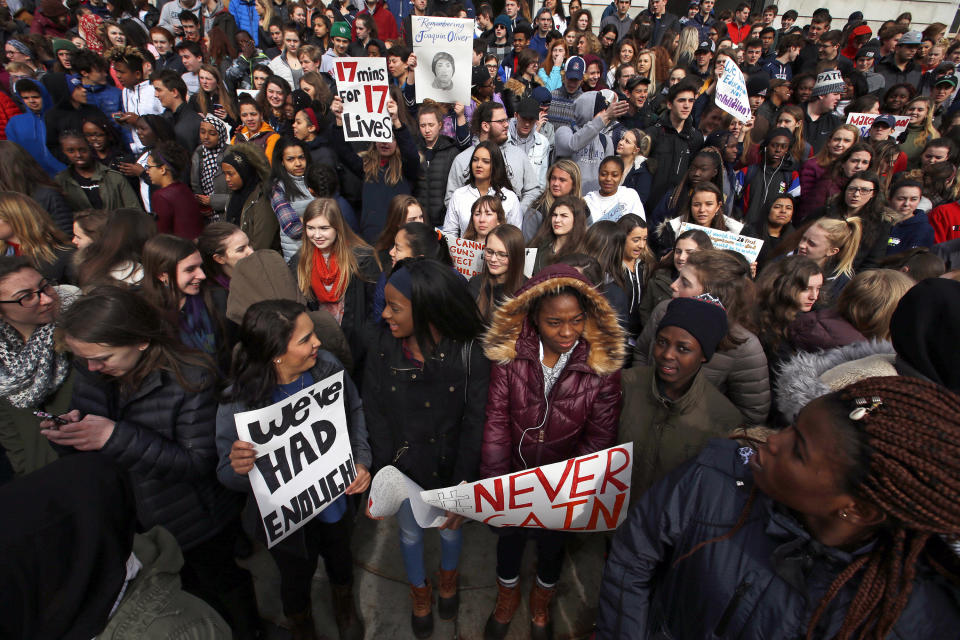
(764, 582)
(164, 438)
(432, 185)
(670, 154)
(423, 421)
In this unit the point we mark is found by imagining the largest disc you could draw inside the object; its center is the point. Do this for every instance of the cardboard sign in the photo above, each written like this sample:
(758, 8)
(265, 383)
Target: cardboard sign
(304, 462)
(731, 95)
(467, 255)
(746, 246)
(863, 121)
(589, 493)
(390, 487)
(362, 85)
(444, 49)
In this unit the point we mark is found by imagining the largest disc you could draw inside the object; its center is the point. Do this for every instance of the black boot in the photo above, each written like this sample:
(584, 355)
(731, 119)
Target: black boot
(349, 623)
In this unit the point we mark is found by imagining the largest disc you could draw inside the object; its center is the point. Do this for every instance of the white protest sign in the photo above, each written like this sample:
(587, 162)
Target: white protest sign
(863, 121)
(731, 95)
(444, 49)
(390, 487)
(467, 255)
(589, 493)
(304, 462)
(529, 261)
(746, 246)
(362, 86)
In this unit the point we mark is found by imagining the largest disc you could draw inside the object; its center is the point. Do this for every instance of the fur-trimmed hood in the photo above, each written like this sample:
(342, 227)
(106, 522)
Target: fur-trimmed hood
(809, 375)
(602, 332)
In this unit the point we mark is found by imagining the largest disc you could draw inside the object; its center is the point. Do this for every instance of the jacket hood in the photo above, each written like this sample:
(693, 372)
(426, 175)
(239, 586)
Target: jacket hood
(159, 552)
(47, 99)
(262, 275)
(585, 107)
(809, 375)
(601, 331)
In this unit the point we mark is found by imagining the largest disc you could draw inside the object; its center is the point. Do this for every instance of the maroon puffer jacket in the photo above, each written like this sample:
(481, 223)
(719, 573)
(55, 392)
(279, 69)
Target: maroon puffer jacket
(580, 415)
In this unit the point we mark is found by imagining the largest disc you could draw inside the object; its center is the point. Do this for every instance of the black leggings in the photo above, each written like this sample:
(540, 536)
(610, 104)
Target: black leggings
(329, 540)
(550, 546)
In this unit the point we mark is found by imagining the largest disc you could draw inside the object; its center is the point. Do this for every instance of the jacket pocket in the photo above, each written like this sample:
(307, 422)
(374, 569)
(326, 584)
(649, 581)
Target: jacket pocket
(731, 609)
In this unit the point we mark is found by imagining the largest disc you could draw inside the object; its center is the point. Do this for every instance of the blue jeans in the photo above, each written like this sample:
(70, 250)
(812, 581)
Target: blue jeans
(411, 542)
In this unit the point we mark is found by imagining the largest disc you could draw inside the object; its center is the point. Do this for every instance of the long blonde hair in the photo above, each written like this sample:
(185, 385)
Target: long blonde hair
(267, 14)
(843, 235)
(343, 246)
(929, 131)
(652, 73)
(39, 237)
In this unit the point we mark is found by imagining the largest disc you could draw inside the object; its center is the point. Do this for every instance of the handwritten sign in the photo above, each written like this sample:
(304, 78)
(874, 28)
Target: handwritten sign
(863, 121)
(444, 49)
(467, 255)
(746, 246)
(362, 85)
(588, 493)
(731, 95)
(304, 462)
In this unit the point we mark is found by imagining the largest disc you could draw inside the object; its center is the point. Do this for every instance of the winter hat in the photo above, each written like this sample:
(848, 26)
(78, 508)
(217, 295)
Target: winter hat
(503, 21)
(528, 108)
(702, 317)
(72, 83)
(480, 75)
(910, 38)
(830, 81)
(867, 51)
(923, 330)
(59, 44)
(758, 84)
(53, 8)
(340, 30)
(542, 95)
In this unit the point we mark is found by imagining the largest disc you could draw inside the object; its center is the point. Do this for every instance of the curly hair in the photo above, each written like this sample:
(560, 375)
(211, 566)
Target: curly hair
(777, 290)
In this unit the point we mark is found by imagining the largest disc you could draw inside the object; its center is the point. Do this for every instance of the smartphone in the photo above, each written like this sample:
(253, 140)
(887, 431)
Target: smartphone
(216, 106)
(118, 116)
(57, 421)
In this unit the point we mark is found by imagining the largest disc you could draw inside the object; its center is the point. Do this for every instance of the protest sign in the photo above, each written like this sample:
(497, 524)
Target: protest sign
(304, 462)
(588, 493)
(731, 95)
(467, 255)
(746, 246)
(529, 261)
(444, 49)
(863, 121)
(390, 487)
(362, 86)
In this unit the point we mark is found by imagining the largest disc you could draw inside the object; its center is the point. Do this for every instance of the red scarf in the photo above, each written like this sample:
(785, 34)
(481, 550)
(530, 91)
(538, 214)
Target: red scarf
(324, 274)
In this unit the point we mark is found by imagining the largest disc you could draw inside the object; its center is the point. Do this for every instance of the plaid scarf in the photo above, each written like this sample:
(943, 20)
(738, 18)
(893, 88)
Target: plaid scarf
(210, 158)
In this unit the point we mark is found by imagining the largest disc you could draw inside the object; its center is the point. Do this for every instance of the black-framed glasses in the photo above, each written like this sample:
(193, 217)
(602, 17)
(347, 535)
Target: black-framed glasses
(153, 166)
(31, 298)
(499, 255)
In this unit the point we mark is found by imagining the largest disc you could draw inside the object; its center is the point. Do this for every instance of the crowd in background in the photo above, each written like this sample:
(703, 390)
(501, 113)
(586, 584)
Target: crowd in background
(186, 234)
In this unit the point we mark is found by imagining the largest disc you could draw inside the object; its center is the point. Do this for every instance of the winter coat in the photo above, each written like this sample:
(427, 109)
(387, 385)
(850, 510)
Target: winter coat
(245, 15)
(177, 211)
(588, 142)
(665, 433)
(8, 109)
(670, 154)
(59, 208)
(105, 97)
(524, 180)
(945, 221)
(258, 221)
(817, 132)
(153, 606)
(164, 438)
(29, 130)
(265, 276)
(186, 124)
(64, 117)
(763, 582)
(739, 373)
(758, 186)
(816, 187)
(385, 20)
(657, 291)
(821, 329)
(432, 182)
(221, 193)
(427, 422)
(639, 178)
(115, 191)
(910, 233)
(580, 414)
(892, 74)
(26, 448)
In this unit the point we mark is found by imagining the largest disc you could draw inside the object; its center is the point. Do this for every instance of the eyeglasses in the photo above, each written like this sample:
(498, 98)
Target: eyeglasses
(499, 255)
(500, 121)
(31, 298)
(859, 190)
(154, 166)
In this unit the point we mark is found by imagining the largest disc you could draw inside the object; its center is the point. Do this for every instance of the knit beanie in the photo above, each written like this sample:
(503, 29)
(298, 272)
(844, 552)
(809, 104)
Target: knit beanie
(702, 317)
(340, 30)
(829, 81)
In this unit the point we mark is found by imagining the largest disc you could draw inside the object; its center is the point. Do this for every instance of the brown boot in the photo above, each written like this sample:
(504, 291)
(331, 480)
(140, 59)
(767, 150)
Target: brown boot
(349, 623)
(448, 595)
(301, 625)
(541, 627)
(421, 620)
(508, 600)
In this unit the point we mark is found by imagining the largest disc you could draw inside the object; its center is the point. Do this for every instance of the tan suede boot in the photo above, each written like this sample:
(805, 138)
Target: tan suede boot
(508, 601)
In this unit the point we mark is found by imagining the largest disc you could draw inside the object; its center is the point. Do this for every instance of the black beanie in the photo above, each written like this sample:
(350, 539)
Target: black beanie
(923, 330)
(702, 317)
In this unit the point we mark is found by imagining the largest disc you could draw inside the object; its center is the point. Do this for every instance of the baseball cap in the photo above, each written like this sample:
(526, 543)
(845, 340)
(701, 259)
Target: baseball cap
(636, 81)
(575, 67)
(541, 95)
(706, 45)
(910, 37)
(479, 76)
(529, 108)
(950, 80)
(340, 30)
(73, 82)
(885, 119)
(758, 84)
(866, 51)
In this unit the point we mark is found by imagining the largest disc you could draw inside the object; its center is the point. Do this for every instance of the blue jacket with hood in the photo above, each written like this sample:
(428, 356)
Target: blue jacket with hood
(105, 97)
(30, 132)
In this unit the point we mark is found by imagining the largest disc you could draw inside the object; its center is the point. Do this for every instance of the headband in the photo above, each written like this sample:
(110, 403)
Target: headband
(402, 282)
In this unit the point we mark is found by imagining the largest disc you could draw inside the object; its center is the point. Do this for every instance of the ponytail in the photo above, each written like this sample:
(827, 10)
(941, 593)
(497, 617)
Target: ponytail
(845, 235)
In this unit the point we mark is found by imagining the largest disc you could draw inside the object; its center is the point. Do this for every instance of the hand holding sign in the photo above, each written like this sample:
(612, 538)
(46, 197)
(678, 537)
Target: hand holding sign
(242, 456)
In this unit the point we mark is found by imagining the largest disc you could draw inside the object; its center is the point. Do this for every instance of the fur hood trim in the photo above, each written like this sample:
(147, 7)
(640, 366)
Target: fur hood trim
(809, 375)
(602, 331)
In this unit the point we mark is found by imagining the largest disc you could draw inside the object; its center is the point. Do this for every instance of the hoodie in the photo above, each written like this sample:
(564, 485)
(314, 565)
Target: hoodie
(588, 142)
(30, 131)
(535, 146)
(908, 233)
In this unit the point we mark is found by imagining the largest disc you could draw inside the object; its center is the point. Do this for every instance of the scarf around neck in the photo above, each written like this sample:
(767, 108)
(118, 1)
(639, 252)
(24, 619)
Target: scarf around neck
(210, 158)
(31, 370)
(324, 277)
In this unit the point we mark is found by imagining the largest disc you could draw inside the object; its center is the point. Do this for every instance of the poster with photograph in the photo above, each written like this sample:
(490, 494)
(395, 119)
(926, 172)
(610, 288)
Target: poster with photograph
(444, 50)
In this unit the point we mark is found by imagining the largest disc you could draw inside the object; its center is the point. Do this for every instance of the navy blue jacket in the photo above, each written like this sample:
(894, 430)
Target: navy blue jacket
(910, 233)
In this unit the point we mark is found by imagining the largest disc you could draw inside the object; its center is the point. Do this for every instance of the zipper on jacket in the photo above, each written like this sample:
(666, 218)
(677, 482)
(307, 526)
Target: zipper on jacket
(731, 608)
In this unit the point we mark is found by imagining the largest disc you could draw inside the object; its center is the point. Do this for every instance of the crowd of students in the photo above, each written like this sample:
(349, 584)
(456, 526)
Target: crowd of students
(185, 234)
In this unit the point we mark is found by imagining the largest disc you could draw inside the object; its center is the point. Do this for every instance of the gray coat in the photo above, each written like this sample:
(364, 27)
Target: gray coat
(221, 194)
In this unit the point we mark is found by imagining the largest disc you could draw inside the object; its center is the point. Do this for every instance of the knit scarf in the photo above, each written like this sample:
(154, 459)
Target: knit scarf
(324, 276)
(196, 326)
(210, 158)
(29, 371)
